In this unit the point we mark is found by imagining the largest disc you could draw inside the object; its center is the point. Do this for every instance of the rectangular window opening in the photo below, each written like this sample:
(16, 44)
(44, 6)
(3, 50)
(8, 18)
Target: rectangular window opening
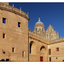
(36, 29)
(3, 35)
(13, 49)
(49, 58)
(18, 24)
(4, 20)
(23, 54)
(49, 51)
(57, 49)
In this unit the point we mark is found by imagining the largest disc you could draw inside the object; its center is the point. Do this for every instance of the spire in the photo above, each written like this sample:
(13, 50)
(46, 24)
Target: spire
(39, 19)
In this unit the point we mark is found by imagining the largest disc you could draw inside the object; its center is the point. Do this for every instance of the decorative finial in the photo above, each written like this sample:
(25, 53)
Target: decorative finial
(27, 13)
(13, 5)
(20, 8)
(39, 19)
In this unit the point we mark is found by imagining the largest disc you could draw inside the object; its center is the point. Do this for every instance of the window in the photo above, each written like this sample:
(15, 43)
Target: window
(3, 35)
(56, 58)
(18, 24)
(4, 20)
(7, 59)
(42, 48)
(57, 49)
(30, 48)
(49, 58)
(23, 54)
(3, 52)
(36, 29)
(49, 51)
(13, 49)
(42, 29)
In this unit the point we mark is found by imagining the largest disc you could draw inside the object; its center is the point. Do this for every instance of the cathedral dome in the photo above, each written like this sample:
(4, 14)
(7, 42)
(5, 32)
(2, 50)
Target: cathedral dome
(39, 22)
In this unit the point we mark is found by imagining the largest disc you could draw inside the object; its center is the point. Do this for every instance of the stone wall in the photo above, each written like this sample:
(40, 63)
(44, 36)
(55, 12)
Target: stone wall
(57, 55)
(15, 37)
(38, 43)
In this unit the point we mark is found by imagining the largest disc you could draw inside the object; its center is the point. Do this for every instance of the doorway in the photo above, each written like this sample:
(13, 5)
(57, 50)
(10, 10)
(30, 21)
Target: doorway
(41, 58)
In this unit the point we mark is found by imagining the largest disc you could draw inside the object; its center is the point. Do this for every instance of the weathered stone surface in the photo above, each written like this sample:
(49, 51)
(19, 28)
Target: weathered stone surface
(22, 39)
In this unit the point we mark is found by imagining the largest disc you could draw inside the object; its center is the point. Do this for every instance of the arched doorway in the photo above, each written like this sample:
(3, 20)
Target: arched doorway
(32, 47)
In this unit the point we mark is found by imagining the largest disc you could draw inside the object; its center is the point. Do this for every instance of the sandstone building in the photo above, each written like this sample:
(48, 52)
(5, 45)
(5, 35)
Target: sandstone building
(18, 43)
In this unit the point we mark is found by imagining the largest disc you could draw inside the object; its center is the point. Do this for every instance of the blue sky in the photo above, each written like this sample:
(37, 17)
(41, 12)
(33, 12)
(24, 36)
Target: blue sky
(50, 13)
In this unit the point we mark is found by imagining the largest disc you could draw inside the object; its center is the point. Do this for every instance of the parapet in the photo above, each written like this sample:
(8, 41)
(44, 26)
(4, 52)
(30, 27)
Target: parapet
(5, 6)
(57, 40)
(37, 37)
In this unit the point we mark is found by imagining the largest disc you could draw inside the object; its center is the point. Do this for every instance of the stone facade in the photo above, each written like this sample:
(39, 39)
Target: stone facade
(18, 43)
(15, 37)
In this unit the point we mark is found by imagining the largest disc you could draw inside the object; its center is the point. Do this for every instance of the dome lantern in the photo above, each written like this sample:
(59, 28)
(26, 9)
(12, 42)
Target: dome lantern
(39, 26)
(39, 21)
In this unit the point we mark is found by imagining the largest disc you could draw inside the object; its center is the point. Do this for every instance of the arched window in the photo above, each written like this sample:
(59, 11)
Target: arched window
(39, 28)
(32, 48)
(42, 48)
(23, 54)
(12, 49)
(36, 29)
